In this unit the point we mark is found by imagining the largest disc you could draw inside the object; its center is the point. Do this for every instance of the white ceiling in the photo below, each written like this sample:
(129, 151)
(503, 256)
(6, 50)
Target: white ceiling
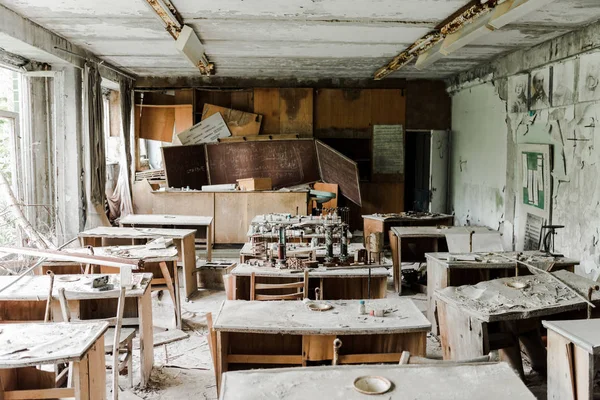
(288, 38)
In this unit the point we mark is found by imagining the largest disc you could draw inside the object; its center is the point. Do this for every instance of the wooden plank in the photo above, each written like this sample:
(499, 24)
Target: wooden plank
(296, 108)
(317, 347)
(370, 358)
(267, 104)
(337, 168)
(81, 377)
(97, 371)
(584, 373)
(222, 357)
(56, 393)
(184, 118)
(146, 338)
(462, 337)
(242, 100)
(263, 359)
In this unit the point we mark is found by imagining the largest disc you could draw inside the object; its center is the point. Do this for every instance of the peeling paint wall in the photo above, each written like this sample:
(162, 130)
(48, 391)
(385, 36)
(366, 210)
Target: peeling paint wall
(480, 112)
(478, 157)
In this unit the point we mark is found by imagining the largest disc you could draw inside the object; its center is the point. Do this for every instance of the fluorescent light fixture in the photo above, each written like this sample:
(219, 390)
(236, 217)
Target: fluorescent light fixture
(512, 10)
(467, 34)
(190, 46)
(429, 57)
(163, 12)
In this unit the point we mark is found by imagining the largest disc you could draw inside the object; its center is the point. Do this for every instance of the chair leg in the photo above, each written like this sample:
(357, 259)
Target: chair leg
(130, 362)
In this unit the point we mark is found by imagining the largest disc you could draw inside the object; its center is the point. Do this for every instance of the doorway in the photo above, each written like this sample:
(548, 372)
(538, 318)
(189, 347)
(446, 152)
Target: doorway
(416, 184)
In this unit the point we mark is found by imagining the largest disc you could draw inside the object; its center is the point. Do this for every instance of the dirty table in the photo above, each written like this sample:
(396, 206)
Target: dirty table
(336, 284)
(384, 222)
(472, 268)
(572, 350)
(246, 253)
(410, 243)
(496, 380)
(183, 239)
(204, 226)
(25, 346)
(267, 333)
(26, 299)
(500, 313)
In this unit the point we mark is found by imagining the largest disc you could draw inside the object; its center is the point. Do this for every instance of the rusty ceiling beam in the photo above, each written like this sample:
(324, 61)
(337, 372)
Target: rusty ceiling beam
(461, 18)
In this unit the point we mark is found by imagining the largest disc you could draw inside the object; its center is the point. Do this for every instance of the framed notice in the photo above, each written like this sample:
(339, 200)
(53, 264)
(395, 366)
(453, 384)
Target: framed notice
(388, 149)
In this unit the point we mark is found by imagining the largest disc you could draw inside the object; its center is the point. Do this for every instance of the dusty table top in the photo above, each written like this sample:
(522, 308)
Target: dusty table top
(145, 233)
(583, 332)
(434, 231)
(139, 252)
(352, 247)
(414, 382)
(295, 318)
(163, 219)
(79, 287)
(496, 301)
(495, 260)
(407, 217)
(321, 272)
(26, 344)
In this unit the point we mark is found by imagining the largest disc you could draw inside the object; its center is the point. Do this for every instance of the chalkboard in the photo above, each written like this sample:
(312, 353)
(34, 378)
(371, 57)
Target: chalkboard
(286, 162)
(337, 168)
(185, 166)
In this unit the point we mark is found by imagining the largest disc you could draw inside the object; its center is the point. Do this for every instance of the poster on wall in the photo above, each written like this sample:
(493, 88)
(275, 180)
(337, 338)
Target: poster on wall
(589, 77)
(517, 93)
(563, 83)
(540, 89)
(535, 198)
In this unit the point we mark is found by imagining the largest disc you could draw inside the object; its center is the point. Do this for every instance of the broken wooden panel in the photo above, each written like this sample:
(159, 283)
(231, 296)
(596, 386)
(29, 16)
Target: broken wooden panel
(155, 122)
(239, 123)
(185, 166)
(184, 118)
(335, 167)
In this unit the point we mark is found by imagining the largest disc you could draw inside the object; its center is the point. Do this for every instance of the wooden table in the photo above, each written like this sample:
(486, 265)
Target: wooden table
(26, 301)
(204, 226)
(161, 263)
(493, 315)
(465, 270)
(267, 333)
(183, 239)
(384, 222)
(410, 243)
(25, 346)
(572, 349)
(496, 380)
(334, 284)
(246, 252)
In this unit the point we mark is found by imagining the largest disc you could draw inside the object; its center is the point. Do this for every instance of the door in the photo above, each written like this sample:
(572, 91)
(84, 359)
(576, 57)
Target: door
(438, 172)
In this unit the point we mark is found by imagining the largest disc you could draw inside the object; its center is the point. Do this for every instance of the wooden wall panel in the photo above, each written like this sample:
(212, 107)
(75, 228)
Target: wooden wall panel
(428, 106)
(236, 99)
(266, 103)
(296, 108)
(342, 109)
(388, 107)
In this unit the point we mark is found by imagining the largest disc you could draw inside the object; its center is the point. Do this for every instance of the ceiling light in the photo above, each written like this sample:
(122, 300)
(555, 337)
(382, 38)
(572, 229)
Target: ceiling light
(190, 46)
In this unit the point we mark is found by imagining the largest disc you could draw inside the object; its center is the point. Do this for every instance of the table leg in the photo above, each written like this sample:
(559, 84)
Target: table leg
(81, 379)
(585, 371)
(146, 337)
(172, 291)
(222, 353)
(396, 266)
(561, 371)
(97, 370)
(177, 298)
(188, 259)
(209, 242)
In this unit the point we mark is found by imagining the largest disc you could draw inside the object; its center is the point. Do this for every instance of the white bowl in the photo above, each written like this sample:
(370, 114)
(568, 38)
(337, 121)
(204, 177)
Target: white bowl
(372, 384)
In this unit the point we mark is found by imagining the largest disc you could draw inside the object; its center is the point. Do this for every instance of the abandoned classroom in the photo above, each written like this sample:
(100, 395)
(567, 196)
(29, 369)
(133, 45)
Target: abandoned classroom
(302, 199)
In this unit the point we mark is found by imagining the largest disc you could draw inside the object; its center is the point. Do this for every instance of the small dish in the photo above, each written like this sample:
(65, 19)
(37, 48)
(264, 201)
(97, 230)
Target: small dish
(371, 384)
(517, 284)
(319, 306)
(67, 278)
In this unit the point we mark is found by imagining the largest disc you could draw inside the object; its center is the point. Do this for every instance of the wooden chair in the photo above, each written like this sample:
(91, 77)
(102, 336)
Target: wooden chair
(116, 340)
(302, 287)
(406, 358)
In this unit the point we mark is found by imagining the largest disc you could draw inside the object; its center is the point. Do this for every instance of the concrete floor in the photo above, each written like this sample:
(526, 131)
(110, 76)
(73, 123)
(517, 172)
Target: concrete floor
(183, 369)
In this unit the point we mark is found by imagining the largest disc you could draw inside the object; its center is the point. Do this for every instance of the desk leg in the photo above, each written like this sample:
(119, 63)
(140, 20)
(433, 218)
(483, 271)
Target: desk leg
(396, 266)
(209, 242)
(221, 354)
(172, 291)
(584, 373)
(97, 370)
(146, 337)
(188, 258)
(177, 298)
(81, 378)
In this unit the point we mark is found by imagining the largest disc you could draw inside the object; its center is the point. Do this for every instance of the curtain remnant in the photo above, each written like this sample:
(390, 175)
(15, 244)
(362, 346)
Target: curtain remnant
(96, 136)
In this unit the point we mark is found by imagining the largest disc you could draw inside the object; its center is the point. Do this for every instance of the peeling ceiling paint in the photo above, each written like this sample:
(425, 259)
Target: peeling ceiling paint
(292, 38)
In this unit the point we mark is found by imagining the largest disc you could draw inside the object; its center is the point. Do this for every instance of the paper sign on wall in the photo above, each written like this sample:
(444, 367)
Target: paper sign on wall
(388, 149)
(206, 131)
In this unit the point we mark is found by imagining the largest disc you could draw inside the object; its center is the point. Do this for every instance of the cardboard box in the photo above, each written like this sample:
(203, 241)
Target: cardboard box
(211, 274)
(253, 184)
